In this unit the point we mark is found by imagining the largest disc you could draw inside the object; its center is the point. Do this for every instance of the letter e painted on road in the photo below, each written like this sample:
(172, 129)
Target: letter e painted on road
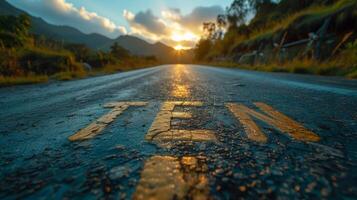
(161, 131)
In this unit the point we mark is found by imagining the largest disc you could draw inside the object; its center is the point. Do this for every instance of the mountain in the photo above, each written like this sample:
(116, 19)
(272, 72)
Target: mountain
(140, 47)
(95, 41)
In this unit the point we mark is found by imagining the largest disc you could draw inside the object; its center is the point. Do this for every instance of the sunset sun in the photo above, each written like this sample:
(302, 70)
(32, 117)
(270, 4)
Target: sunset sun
(184, 37)
(179, 47)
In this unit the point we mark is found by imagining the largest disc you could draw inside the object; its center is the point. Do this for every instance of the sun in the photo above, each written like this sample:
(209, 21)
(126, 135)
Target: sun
(177, 37)
(179, 47)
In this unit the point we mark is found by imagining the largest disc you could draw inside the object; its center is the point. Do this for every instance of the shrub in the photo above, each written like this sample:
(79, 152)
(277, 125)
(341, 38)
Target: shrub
(69, 75)
(9, 40)
(41, 61)
(21, 80)
(8, 63)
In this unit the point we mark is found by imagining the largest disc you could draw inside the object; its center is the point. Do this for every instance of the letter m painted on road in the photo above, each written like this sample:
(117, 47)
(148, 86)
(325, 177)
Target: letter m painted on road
(271, 117)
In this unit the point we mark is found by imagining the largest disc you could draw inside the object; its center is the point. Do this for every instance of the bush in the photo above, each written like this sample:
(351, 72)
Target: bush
(101, 59)
(352, 75)
(301, 70)
(8, 63)
(21, 80)
(47, 62)
(9, 40)
(69, 75)
(14, 31)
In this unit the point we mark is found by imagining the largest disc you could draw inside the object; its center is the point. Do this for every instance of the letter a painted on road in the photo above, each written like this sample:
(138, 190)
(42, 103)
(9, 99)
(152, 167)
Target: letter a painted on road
(271, 117)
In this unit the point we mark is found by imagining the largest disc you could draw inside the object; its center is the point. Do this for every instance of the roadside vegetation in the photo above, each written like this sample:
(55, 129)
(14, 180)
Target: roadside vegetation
(297, 36)
(27, 58)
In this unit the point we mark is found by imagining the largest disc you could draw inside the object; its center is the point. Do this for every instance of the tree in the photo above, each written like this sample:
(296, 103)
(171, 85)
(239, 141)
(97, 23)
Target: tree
(119, 52)
(202, 49)
(209, 29)
(221, 24)
(81, 51)
(23, 24)
(14, 31)
(238, 11)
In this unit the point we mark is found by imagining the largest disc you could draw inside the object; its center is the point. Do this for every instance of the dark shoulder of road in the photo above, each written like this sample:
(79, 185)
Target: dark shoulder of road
(37, 160)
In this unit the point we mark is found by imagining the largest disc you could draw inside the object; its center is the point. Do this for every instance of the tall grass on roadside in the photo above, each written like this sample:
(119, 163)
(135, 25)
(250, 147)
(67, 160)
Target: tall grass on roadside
(70, 75)
(343, 65)
(296, 21)
(22, 80)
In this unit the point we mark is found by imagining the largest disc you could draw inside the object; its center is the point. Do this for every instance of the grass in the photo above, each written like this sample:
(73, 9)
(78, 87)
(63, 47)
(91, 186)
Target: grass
(297, 21)
(302, 66)
(22, 80)
(352, 75)
(70, 75)
(343, 64)
(297, 25)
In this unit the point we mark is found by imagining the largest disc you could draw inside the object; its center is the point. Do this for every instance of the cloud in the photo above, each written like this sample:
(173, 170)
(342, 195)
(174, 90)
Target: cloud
(171, 14)
(172, 27)
(63, 13)
(199, 15)
(146, 22)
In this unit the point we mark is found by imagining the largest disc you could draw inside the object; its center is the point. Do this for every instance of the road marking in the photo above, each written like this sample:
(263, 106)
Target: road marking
(167, 177)
(272, 117)
(161, 131)
(99, 125)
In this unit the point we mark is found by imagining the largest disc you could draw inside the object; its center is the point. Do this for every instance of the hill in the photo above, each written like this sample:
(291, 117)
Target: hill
(95, 41)
(296, 36)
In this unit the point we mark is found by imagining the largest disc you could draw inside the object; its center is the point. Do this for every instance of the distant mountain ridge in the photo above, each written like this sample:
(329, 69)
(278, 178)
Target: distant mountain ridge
(95, 41)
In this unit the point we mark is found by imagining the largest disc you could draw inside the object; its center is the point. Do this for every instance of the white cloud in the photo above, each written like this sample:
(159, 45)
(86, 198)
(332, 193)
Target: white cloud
(171, 14)
(199, 15)
(172, 27)
(64, 13)
(128, 15)
(146, 22)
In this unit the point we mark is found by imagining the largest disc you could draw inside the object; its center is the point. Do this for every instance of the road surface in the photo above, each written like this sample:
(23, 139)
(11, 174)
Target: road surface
(180, 132)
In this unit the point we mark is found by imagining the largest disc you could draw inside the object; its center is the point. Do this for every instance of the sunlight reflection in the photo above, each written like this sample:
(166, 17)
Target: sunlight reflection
(180, 91)
(168, 177)
(179, 88)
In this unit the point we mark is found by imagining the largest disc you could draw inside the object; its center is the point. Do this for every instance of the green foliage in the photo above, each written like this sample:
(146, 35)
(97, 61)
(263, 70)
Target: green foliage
(14, 30)
(203, 47)
(8, 40)
(17, 25)
(348, 56)
(42, 61)
(238, 11)
(119, 52)
(69, 75)
(80, 51)
(22, 80)
(9, 63)
(26, 58)
(292, 20)
(101, 59)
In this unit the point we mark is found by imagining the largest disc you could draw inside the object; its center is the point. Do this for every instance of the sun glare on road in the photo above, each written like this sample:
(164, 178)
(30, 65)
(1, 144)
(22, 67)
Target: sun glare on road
(179, 88)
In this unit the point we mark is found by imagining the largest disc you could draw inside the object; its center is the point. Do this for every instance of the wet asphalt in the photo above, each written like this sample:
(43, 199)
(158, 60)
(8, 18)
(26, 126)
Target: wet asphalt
(37, 161)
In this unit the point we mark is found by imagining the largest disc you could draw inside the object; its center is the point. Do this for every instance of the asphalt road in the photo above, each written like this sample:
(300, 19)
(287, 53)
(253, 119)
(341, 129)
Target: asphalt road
(180, 132)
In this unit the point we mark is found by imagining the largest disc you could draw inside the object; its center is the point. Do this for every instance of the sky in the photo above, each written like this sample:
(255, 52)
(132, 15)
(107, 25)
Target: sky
(177, 23)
